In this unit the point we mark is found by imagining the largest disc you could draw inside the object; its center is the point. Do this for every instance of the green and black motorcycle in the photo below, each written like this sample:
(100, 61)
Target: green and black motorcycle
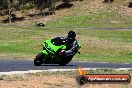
(53, 53)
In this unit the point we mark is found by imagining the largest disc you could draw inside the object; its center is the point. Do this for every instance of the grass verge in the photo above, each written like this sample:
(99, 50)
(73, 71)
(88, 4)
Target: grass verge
(97, 45)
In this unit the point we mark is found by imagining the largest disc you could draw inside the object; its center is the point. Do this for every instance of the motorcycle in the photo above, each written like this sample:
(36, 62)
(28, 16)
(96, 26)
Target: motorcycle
(54, 53)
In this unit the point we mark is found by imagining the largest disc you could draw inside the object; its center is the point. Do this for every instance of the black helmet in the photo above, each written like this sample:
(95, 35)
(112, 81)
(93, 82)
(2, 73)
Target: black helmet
(71, 35)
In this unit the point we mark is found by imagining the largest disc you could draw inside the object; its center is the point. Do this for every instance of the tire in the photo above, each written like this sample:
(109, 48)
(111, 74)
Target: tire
(66, 60)
(81, 80)
(62, 64)
(38, 60)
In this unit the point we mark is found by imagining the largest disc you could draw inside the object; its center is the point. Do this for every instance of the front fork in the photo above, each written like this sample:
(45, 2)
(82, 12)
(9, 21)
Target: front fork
(45, 53)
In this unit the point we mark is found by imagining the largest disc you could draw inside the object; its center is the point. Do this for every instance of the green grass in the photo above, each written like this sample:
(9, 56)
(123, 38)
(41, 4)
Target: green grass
(106, 58)
(106, 45)
(94, 20)
(97, 45)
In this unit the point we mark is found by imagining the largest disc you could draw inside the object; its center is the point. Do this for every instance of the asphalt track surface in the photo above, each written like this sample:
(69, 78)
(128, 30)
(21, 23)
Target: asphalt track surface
(25, 65)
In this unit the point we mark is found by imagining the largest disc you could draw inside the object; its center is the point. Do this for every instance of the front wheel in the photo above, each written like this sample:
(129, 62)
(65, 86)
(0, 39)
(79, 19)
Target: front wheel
(38, 60)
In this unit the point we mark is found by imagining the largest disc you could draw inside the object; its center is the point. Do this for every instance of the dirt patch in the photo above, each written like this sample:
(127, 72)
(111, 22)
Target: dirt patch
(53, 81)
(124, 10)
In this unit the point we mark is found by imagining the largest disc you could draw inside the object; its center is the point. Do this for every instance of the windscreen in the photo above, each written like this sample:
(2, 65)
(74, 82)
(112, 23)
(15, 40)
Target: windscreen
(57, 41)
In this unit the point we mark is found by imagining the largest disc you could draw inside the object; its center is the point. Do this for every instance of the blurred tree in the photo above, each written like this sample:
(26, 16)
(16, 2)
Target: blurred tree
(8, 6)
(43, 4)
(107, 1)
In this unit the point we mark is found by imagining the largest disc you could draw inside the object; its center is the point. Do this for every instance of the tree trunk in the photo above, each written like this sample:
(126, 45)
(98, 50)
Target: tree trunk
(9, 11)
(109, 1)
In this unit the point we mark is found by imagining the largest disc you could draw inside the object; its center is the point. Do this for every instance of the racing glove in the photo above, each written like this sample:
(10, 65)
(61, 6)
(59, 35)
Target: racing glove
(62, 52)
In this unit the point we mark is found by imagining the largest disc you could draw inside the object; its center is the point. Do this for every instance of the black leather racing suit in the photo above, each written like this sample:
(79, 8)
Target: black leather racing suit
(71, 46)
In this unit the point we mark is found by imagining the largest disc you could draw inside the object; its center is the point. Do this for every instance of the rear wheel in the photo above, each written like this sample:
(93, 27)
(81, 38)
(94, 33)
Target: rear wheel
(38, 60)
(62, 64)
(66, 61)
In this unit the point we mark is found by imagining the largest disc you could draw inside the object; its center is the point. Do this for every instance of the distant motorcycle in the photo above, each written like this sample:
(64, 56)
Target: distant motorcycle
(53, 53)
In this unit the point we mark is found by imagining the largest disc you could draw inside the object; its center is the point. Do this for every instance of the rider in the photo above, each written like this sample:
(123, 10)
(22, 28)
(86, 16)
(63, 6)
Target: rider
(71, 43)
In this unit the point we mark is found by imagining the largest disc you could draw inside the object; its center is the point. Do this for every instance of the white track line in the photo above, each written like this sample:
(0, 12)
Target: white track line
(54, 70)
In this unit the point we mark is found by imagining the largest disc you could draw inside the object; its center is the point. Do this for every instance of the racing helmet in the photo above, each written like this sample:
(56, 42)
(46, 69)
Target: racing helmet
(71, 35)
